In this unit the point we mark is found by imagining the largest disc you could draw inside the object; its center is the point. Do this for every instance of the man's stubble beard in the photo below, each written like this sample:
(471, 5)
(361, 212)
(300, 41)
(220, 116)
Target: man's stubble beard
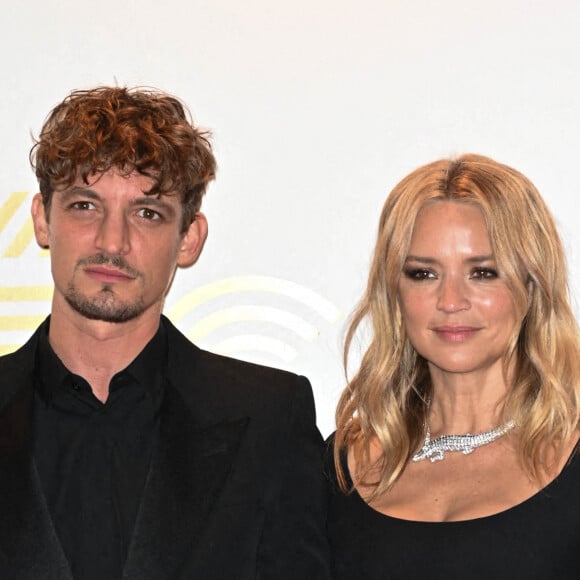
(105, 306)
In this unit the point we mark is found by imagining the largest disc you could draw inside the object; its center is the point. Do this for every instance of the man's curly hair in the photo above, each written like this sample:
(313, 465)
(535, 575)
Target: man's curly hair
(128, 130)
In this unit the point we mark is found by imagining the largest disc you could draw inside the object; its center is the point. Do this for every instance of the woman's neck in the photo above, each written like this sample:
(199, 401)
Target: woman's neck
(466, 403)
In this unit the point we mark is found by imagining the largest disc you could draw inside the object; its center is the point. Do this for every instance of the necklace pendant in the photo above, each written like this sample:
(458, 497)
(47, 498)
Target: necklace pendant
(435, 455)
(435, 449)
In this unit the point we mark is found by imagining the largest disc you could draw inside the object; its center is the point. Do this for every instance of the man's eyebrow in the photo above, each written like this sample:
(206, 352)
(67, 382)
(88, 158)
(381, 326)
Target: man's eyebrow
(78, 190)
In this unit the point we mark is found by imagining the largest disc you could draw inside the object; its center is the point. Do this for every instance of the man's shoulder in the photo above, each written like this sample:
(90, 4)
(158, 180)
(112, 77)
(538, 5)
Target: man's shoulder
(22, 354)
(187, 355)
(226, 380)
(17, 369)
(240, 371)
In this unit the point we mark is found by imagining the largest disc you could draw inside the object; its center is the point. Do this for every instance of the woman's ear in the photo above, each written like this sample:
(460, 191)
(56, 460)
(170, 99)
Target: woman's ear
(193, 241)
(530, 288)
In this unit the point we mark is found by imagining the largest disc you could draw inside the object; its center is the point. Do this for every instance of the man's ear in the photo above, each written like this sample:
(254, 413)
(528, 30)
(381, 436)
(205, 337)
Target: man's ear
(40, 221)
(192, 242)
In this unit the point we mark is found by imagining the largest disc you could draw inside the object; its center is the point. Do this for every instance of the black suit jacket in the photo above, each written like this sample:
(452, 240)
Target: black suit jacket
(235, 487)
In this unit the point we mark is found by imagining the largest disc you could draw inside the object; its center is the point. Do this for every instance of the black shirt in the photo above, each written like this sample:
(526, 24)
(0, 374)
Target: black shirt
(93, 458)
(537, 539)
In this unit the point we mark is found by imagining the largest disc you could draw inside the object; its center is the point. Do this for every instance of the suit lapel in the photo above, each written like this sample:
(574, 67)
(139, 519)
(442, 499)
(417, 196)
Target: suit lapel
(29, 548)
(188, 470)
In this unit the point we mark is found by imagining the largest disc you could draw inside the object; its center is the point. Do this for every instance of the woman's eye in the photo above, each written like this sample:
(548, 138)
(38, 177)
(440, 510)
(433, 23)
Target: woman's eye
(484, 274)
(419, 274)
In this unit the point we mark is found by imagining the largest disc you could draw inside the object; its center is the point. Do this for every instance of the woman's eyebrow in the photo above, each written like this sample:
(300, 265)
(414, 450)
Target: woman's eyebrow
(428, 260)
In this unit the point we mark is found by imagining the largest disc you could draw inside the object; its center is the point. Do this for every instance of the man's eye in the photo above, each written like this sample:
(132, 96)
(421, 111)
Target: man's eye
(484, 274)
(419, 274)
(149, 214)
(83, 205)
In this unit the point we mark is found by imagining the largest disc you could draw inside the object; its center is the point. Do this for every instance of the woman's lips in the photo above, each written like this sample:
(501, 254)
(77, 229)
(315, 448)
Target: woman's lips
(455, 333)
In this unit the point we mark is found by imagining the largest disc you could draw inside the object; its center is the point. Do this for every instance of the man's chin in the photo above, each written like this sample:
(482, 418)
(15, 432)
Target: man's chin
(105, 309)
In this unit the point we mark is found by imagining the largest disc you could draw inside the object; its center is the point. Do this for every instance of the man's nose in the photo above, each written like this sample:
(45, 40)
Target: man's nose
(113, 236)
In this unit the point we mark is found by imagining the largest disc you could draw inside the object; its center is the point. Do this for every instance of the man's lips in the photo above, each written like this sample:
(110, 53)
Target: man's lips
(455, 333)
(109, 275)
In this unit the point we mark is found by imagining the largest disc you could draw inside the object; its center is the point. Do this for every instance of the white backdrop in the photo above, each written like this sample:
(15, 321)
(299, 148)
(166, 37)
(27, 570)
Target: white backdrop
(318, 108)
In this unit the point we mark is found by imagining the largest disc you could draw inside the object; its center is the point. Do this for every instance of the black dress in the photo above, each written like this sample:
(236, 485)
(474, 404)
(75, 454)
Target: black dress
(536, 539)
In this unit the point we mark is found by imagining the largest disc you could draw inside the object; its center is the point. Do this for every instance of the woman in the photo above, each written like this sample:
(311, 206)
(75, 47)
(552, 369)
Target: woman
(454, 450)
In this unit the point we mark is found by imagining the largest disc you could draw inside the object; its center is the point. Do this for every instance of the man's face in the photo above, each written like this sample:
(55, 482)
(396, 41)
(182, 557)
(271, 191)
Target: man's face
(114, 250)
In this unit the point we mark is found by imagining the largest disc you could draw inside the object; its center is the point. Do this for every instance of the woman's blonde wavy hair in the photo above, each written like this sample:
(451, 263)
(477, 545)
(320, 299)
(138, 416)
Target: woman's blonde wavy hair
(386, 398)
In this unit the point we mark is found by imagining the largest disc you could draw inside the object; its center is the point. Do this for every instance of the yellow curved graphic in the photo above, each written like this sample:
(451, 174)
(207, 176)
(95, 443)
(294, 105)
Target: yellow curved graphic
(21, 322)
(241, 343)
(10, 207)
(271, 320)
(25, 293)
(233, 314)
(20, 241)
(25, 233)
(254, 284)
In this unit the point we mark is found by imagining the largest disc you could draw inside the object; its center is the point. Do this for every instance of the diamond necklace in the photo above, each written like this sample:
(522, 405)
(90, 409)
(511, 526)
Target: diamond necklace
(435, 450)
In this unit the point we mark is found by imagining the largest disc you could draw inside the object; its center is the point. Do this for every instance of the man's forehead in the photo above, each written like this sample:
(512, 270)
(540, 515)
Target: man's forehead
(95, 177)
(98, 181)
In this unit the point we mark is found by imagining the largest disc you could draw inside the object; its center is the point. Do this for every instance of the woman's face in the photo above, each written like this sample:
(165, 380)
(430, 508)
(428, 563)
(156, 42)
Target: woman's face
(457, 309)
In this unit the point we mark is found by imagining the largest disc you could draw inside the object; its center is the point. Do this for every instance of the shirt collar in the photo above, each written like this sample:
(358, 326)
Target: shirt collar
(148, 368)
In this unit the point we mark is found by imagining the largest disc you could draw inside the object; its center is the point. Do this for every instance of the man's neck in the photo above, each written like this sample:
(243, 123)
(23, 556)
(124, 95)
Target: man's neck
(97, 350)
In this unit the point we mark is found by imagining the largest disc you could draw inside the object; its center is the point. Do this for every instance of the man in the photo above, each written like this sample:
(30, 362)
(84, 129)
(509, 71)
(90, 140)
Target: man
(126, 451)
